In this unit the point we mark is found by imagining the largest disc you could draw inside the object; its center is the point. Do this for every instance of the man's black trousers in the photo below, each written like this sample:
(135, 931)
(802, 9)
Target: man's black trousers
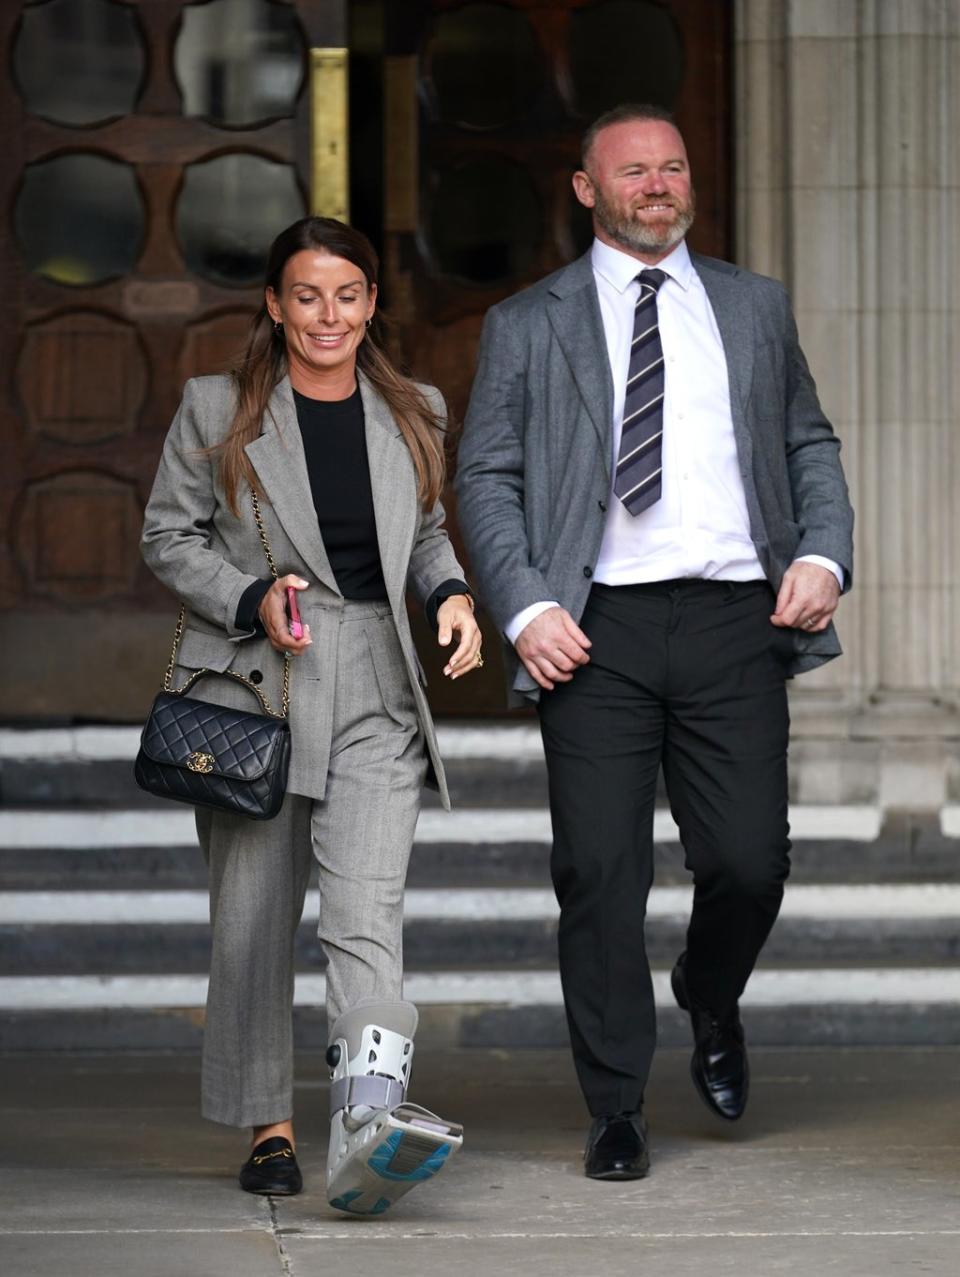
(688, 674)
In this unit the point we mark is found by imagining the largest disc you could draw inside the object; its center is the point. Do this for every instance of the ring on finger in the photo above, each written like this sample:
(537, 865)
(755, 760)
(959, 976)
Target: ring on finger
(479, 662)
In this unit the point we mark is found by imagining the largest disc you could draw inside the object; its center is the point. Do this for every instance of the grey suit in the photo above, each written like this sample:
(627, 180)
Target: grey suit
(533, 470)
(362, 735)
(686, 675)
(207, 557)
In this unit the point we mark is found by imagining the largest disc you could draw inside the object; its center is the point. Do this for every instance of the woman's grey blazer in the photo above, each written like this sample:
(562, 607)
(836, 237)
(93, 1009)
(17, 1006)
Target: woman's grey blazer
(207, 557)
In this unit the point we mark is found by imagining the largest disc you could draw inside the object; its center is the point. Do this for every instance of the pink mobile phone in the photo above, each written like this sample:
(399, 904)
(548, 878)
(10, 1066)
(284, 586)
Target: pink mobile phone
(296, 626)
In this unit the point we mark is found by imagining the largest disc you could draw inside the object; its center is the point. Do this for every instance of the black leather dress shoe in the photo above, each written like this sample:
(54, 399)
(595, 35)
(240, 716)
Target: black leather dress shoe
(617, 1147)
(719, 1067)
(272, 1168)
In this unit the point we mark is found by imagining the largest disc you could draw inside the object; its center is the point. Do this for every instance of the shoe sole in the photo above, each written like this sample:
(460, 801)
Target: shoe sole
(273, 1192)
(620, 1175)
(403, 1158)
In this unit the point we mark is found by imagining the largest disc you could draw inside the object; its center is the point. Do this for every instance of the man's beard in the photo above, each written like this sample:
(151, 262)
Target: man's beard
(636, 236)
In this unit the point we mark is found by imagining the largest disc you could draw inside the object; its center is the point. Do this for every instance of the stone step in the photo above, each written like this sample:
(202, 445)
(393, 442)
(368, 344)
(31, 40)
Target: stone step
(433, 945)
(126, 932)
(490, 764)
(485, 846)
(103, 911)
(109, 783)
(487, 765)
(844, 1007)
(907, 849)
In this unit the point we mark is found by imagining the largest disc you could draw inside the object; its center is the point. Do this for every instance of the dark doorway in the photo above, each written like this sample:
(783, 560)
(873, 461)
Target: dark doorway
(484, 105)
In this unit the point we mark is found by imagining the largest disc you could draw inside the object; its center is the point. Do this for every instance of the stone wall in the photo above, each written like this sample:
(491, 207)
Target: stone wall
(848, 166)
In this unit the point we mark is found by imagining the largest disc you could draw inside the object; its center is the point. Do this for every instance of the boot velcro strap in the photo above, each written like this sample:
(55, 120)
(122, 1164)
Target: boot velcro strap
(375, 1092)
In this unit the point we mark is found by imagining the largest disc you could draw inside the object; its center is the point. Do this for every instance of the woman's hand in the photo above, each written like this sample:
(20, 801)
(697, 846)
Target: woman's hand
(455, 616)
(276, 621)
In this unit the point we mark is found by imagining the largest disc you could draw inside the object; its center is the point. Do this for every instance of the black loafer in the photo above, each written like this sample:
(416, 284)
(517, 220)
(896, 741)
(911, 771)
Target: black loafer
(719, 1067)
(617, 1147)
(272, 1168)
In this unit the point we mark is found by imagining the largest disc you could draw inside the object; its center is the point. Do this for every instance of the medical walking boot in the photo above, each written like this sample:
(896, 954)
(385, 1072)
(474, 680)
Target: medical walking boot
(381, 1146)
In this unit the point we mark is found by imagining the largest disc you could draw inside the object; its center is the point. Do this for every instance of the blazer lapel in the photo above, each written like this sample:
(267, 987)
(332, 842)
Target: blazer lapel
(732, 305)
(278, 458)
(394, 487)
(574, 312)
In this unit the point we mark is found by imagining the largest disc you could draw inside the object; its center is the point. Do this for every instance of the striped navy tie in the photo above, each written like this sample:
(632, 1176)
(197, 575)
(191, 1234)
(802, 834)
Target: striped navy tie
(639, 463)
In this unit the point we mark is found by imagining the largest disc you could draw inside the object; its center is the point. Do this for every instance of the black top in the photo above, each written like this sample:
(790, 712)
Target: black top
(335, 447)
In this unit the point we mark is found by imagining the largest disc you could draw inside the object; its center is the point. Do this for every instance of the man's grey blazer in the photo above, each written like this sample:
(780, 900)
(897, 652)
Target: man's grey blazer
(208, 557)
(534, 468)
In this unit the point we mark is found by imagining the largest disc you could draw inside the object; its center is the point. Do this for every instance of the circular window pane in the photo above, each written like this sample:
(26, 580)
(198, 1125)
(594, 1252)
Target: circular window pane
(80, 218)
(229, 212)
(78, 61)
(239, 62)
(486, 222)
(485, 65)
(624, 51)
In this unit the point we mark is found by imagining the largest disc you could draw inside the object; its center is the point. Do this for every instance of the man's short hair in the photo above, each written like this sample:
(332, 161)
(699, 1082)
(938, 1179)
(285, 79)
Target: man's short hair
(621, 115)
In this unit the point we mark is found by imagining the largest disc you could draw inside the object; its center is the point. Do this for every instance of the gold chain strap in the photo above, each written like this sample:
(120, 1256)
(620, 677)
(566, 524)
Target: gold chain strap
(240, 678)
(263, 532)
(285, 691)
(177, 636)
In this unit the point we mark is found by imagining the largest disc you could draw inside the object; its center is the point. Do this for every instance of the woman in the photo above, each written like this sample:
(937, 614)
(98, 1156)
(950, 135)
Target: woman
(346, 458)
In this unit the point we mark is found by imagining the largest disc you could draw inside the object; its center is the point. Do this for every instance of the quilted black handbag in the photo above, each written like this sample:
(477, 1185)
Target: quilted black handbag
(211, 756)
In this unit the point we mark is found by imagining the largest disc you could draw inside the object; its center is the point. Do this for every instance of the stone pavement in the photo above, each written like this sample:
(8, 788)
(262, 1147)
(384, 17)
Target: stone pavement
(848, 1162)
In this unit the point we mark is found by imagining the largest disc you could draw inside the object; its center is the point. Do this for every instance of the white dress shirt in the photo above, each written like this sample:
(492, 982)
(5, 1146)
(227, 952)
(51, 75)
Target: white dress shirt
(700, 526)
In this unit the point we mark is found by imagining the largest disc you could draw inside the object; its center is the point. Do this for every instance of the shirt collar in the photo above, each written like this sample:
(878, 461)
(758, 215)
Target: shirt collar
(620, 269)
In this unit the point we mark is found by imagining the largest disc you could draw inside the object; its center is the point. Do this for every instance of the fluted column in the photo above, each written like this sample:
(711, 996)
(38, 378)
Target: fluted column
(848, 118)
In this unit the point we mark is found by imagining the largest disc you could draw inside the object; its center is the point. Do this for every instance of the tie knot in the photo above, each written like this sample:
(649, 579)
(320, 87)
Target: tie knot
(653, 278)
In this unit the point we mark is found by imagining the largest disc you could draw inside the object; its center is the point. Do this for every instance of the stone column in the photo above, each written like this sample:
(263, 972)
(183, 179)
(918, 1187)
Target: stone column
(848, 165)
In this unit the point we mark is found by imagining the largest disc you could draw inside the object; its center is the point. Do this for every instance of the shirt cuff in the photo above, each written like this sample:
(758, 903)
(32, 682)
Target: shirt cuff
(520, 622)
(248, 616)
(822, 562)
(445, 590)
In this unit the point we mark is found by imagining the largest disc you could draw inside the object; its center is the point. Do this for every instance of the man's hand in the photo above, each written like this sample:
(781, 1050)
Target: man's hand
(808, 597)
(552, 646)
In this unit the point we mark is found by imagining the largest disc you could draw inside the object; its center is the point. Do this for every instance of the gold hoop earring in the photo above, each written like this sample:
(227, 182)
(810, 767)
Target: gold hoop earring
(368, 323)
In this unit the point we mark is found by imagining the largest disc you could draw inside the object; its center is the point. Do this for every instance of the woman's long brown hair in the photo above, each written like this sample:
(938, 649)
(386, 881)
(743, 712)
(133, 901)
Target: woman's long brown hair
(264, 363)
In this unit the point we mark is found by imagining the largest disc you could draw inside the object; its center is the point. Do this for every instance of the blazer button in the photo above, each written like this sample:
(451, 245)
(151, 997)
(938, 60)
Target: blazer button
(603, 506)
(256, 676)
(588, 571)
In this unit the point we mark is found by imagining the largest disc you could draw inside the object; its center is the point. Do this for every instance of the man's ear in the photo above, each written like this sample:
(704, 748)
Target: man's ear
(583, 188)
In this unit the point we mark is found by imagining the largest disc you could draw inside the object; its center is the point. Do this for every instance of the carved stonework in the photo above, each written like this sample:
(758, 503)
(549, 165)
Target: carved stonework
(847, 174)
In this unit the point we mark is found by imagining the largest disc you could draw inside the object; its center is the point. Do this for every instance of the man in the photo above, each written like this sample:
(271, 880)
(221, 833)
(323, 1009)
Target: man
(659, 524)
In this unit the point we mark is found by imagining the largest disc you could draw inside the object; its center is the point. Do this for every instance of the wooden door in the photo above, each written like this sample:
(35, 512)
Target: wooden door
(484, 107)
(153, 149)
